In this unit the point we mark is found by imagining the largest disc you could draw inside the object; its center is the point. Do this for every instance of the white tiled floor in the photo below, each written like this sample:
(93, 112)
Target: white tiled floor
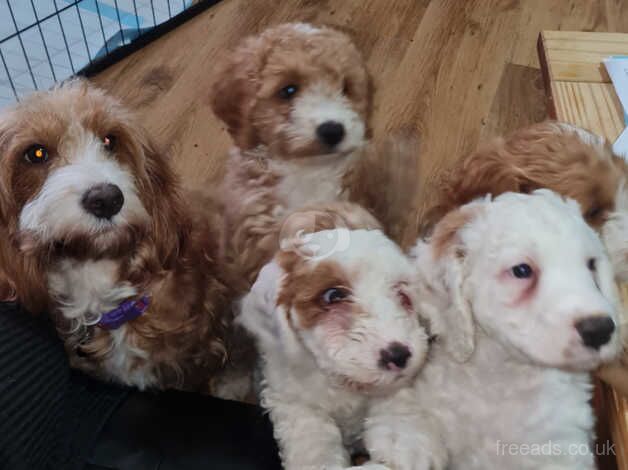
(83, 35)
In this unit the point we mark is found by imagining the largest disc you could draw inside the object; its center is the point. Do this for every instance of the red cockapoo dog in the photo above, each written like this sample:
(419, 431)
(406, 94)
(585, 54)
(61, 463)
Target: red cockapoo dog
(99, 233)
(296, 101)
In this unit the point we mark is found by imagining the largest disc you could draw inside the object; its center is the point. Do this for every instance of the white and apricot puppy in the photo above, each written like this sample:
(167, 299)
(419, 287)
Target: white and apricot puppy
(336, 324)
(520, 295)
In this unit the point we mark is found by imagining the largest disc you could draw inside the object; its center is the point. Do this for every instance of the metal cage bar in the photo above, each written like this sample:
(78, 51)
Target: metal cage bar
(43, 40)
(19, 38)
(78, 12)
(47, 42)
(102, 29)
(119, 22)
(63, 35)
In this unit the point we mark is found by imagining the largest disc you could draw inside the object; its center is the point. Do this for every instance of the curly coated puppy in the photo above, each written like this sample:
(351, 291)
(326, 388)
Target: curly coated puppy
(297, 91)
(521, 296)
(99, 233)
(296, 102)
(558, 156)
(336, 324)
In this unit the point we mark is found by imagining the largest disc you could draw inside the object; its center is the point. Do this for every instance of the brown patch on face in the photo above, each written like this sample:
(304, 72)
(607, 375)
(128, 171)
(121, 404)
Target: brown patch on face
(540, 156)
(246, 95)
(305, 284)
(328, 216)
(20, 131)
(446, 231)
(59, 120)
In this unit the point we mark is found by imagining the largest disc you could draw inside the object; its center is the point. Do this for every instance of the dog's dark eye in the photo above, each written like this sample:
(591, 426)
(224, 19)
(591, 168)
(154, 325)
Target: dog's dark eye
(288, 92)
(334, 295)
(36, 154)
(593, 212)
(592, 264)
(522, 271)
(109, 142)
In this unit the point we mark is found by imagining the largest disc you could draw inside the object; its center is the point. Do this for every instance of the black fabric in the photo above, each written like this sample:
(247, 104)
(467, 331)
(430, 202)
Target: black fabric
(50, 416)
(54, 418)
(183, 431)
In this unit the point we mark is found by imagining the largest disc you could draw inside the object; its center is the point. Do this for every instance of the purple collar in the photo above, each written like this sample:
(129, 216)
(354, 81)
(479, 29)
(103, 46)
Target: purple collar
(126, 311)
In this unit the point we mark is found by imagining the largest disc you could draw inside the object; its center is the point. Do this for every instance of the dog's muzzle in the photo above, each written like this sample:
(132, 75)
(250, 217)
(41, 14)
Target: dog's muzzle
(103, 200)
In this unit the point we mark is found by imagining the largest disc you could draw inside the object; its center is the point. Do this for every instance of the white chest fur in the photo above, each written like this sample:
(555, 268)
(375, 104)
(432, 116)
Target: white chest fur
(312, 180)
(494, 415)
(86, 289)
(83, 291)
(314, 421)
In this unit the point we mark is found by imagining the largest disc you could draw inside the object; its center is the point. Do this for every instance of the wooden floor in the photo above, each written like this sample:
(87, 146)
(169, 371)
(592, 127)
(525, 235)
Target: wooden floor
(456, 70)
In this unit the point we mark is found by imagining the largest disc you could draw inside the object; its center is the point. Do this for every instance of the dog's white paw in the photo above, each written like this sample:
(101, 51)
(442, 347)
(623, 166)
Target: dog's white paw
(410, 452)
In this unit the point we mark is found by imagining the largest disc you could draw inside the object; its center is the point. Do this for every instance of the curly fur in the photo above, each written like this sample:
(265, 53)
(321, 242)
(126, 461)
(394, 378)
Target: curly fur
(164, 243)
(245, 91)
(508, 369)
(279, 164)
(557, 156)
(322, 363)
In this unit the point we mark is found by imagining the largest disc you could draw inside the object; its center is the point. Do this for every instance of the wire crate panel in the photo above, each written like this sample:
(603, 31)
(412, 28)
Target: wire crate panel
(43, 42)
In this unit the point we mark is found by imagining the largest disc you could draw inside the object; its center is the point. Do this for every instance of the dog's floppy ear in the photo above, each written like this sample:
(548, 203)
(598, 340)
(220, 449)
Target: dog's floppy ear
(262, 317)
(234, 90)
(169, 225)
(22, 277)
(442, 272)
(257, 308)
(6, 133)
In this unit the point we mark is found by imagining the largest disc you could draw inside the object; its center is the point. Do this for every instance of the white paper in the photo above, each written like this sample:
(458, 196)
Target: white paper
(620, 147)
(617, 67)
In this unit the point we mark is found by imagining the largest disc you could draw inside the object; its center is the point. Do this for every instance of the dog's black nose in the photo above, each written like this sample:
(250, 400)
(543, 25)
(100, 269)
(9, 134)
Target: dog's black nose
(595, 331)
(330, 132)
(103, 200)
(396, 354)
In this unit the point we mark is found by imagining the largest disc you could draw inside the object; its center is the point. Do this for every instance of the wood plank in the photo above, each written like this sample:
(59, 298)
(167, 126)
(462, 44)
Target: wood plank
(579, 72)
(594, 106)
(578, 56)
(518, 101)
(584, 36)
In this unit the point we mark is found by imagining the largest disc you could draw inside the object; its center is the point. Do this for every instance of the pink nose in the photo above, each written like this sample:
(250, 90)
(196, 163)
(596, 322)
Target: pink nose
(394, 357)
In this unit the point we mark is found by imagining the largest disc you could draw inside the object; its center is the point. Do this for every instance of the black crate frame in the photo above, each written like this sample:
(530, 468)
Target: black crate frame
(112, 53)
